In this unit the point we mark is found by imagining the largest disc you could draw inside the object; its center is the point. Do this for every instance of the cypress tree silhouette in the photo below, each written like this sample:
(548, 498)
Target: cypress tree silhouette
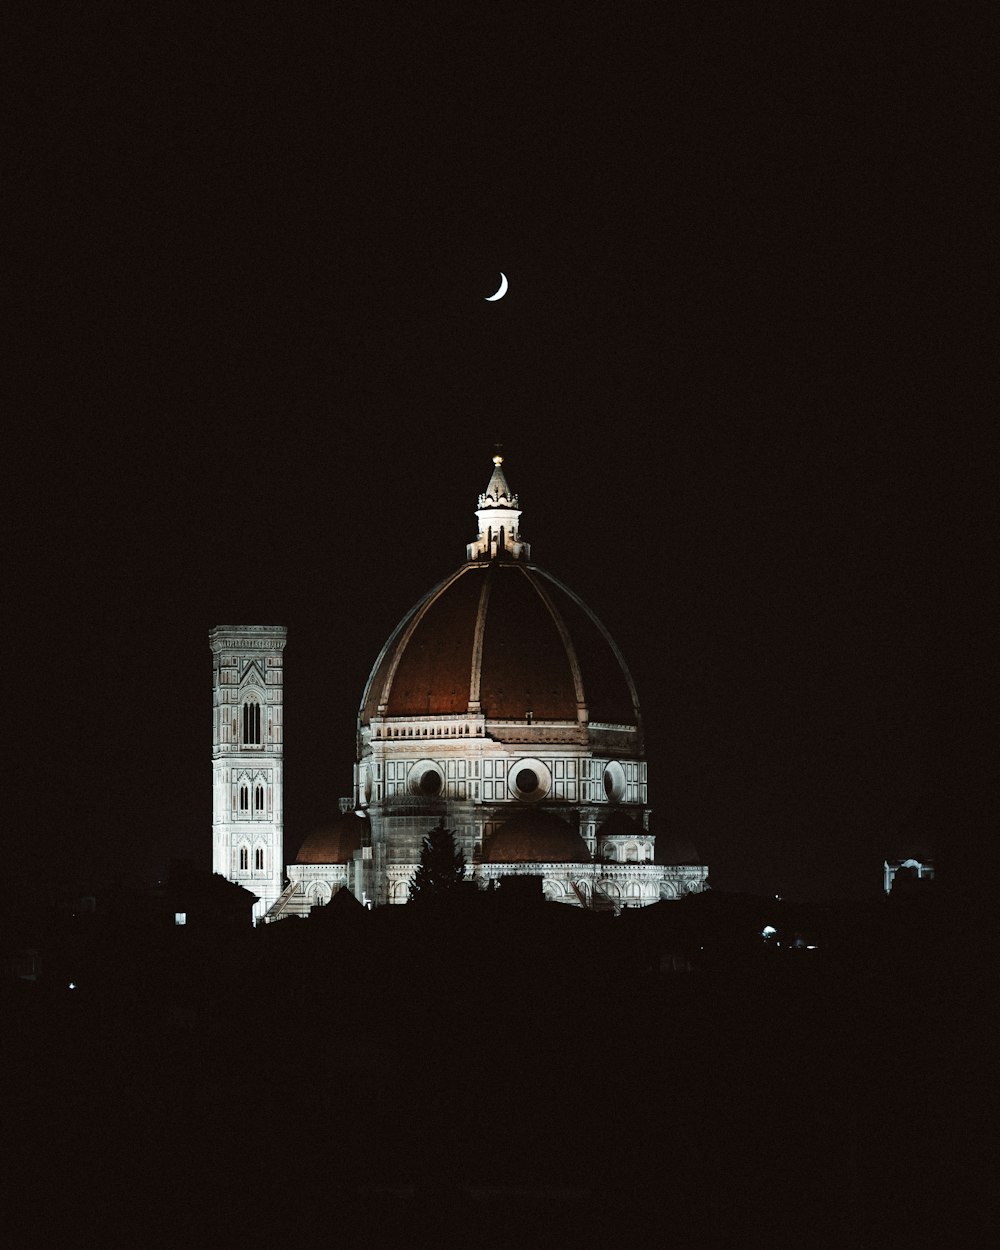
(441, 867)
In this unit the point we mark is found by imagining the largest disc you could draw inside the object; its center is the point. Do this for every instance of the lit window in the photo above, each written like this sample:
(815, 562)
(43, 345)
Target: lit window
(180, 917)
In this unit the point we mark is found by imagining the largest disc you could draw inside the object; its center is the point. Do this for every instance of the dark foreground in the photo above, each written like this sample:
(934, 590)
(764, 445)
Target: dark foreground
(528, 1079)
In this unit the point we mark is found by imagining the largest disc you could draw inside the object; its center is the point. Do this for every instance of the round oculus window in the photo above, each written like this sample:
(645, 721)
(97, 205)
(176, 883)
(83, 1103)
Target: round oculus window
(430, 782)
(426, 779)
(614, 781)
(526, 780)
(530, 780)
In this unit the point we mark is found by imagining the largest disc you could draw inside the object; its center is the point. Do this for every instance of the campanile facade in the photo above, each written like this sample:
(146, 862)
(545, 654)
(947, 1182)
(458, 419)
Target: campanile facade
(247, 750)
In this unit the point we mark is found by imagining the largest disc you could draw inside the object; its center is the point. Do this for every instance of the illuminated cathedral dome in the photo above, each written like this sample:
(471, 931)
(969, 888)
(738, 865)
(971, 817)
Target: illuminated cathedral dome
(503, 639)
(500, 705)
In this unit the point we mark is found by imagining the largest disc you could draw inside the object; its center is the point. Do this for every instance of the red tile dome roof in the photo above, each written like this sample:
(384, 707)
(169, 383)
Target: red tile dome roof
(506, 638)
(334, 843)
(534, 836)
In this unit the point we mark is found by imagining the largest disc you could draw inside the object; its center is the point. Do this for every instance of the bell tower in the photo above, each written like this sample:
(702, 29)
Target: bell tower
(247, 747)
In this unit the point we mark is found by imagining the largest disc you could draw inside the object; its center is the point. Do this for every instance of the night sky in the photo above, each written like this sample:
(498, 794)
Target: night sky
(257, 382)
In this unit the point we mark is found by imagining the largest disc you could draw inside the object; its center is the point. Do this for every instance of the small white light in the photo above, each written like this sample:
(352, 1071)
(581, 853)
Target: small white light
(768, 932)
(72, 985)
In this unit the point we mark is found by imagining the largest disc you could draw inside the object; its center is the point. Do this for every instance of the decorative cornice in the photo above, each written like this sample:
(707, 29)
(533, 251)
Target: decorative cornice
(247, 638)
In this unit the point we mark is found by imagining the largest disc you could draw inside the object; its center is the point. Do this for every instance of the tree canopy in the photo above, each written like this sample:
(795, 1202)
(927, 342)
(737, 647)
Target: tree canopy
(441, 867)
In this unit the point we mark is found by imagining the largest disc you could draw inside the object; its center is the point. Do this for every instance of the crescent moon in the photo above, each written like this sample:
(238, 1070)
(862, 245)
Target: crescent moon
(501, 293)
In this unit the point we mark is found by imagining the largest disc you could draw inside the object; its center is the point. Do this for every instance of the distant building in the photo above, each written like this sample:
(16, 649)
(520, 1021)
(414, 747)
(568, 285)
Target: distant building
(204, 900)
(499, 703)
(913, 869)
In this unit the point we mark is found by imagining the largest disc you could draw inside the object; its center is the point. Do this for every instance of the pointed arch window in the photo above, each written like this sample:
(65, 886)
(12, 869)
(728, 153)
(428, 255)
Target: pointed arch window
(244, 798)
(258, 798)
(258, 858)
(244, 859)
(251, 723)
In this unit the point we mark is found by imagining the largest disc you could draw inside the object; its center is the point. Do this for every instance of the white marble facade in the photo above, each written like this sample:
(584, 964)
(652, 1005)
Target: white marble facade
(247, 728)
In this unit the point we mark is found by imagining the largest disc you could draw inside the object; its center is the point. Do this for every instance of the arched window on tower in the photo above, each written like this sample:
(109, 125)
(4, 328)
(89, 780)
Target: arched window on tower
(258, 858)
(244, 798)
(251, 723)
(244, 858)
(258, 798)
